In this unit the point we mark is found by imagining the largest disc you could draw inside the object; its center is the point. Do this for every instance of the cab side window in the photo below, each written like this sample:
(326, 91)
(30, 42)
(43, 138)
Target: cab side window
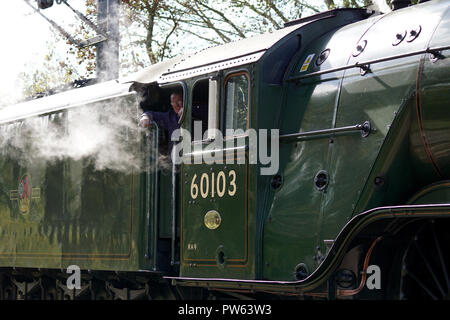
(199, 108)
(236, 101)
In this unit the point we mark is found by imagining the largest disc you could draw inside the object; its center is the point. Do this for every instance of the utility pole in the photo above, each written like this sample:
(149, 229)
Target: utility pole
(108, 51)
(107, 40)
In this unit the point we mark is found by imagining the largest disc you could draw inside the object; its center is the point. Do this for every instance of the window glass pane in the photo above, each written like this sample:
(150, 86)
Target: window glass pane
(236, 109)
(199, 110)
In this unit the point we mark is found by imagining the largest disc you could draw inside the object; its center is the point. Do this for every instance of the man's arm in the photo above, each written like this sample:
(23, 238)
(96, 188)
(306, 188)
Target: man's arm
(144, 120)
(148, 116)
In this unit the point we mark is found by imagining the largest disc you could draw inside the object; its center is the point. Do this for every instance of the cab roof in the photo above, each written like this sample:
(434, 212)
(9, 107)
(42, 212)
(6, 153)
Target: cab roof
(64, 100)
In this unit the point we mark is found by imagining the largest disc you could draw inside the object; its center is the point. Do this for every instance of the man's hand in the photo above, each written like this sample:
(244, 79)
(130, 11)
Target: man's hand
(144, 121)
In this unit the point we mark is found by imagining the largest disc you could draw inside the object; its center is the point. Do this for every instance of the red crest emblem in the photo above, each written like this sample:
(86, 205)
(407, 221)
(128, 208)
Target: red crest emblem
(24, 194)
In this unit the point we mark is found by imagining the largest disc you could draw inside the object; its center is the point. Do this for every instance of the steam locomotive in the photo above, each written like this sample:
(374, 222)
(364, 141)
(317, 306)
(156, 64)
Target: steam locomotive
(356, 208)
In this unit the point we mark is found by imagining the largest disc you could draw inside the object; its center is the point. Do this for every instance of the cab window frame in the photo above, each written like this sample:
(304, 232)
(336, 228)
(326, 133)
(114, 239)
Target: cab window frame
(227, 77)
(191, 105)
(183, 86)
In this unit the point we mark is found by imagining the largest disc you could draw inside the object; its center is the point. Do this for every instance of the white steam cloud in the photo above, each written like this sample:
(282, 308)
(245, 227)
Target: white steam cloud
(108, 136)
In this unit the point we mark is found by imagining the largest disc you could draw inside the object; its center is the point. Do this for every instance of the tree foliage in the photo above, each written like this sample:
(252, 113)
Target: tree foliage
(54, 72)
(154, 30)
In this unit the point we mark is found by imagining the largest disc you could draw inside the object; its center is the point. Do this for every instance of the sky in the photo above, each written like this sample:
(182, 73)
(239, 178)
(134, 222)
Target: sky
(24, 36)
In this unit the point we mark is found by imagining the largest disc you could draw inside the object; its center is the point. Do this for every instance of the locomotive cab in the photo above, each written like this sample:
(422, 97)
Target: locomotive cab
(345, 149)
(220, 218)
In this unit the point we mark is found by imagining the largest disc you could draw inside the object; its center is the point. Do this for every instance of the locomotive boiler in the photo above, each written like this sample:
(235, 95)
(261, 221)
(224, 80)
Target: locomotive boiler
(355, 204)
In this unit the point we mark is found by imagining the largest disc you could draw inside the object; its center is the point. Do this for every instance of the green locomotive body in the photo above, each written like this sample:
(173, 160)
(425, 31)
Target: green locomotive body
(354, 179)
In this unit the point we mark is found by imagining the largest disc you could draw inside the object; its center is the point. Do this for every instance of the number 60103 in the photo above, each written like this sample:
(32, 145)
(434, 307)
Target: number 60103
(210, 185)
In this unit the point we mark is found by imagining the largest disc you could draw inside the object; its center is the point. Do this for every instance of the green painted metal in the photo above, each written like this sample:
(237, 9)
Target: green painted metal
(315, 283)
(301, 217)
(435, 193)
(227, 249)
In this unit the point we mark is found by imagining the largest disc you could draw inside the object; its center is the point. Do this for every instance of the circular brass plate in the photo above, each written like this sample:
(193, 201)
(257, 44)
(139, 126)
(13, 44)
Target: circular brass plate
(212, 219)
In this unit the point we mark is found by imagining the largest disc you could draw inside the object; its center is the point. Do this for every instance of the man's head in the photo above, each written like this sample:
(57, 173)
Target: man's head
(176, 100)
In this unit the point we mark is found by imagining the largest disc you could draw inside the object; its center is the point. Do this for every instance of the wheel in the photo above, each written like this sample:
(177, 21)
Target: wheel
(50, 290)
(100, 291)
(8, 291)
(51, 294)
(425, 271)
